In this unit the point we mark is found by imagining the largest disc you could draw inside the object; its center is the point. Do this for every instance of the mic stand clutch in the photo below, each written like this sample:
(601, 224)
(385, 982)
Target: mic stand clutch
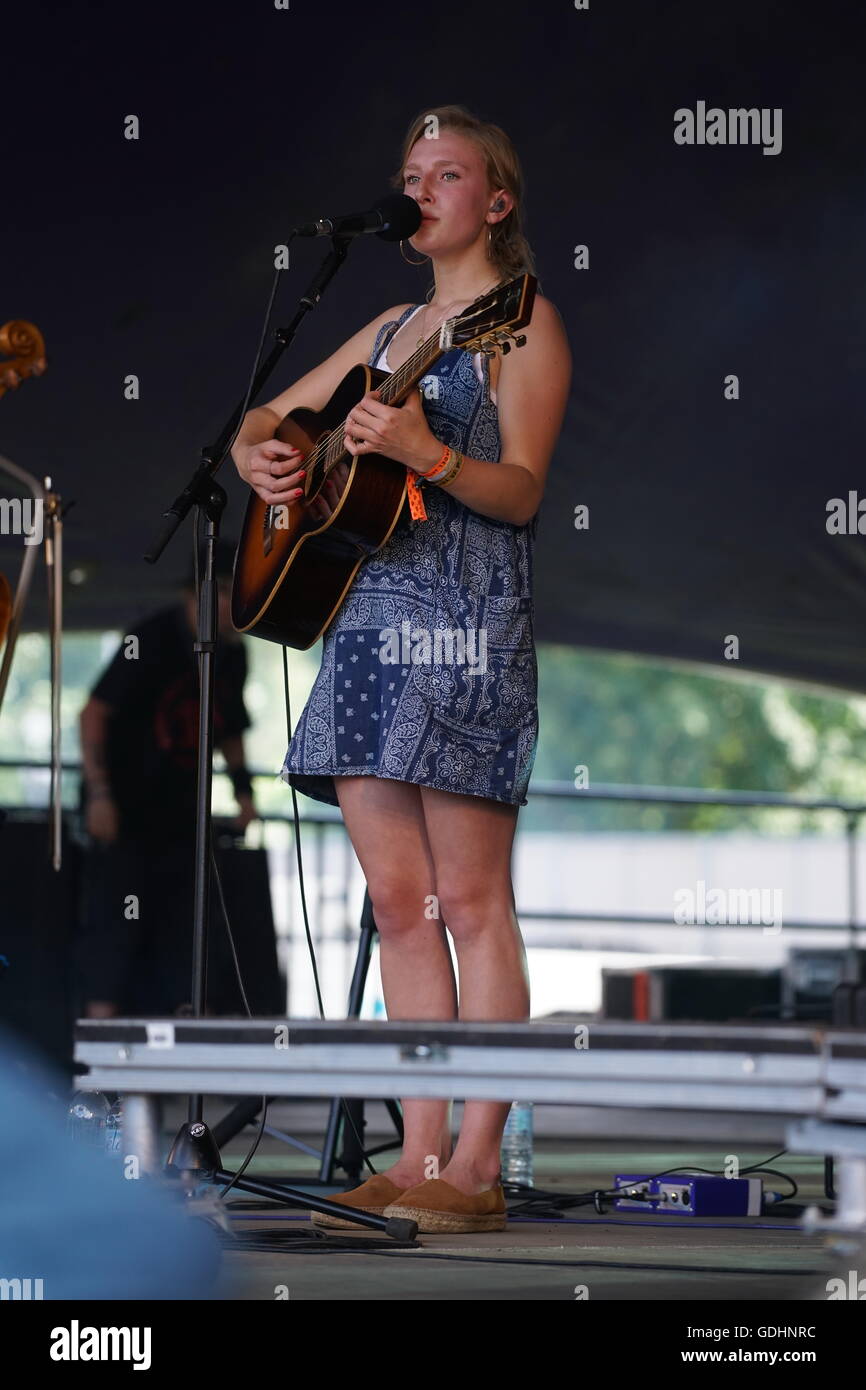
(194, 1151)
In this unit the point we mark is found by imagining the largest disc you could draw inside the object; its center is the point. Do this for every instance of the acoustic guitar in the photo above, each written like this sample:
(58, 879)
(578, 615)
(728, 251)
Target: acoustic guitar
(292, 570)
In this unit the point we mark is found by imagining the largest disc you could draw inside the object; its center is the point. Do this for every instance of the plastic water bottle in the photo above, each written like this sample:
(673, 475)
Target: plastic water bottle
(113, 1127)
(516, 1152)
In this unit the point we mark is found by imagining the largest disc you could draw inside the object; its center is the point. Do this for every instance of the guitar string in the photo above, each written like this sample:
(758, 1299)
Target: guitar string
(325, 452)
(328, 450)
(392, 385)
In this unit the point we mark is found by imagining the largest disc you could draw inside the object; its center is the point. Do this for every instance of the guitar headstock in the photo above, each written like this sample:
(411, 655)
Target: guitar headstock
(23, 349)
(489, 323)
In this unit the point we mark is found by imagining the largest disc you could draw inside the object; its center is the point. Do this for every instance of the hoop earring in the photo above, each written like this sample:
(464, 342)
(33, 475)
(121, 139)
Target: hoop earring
(410, 262)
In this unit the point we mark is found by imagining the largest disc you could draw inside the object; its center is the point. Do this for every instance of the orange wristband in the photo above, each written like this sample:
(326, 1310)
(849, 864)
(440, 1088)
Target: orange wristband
(440, 465)
(416, 502)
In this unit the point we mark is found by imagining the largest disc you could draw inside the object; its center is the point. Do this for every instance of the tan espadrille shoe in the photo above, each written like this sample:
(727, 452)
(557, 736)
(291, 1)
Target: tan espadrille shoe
(438, 1207)
(372, 1196)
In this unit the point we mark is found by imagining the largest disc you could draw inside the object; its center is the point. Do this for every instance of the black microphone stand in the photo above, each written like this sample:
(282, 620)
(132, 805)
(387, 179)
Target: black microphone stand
(194, 1151)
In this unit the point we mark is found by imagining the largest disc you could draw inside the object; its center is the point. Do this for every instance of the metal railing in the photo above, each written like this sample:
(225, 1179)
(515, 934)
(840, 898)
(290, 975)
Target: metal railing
(687, 796)
(323, 817)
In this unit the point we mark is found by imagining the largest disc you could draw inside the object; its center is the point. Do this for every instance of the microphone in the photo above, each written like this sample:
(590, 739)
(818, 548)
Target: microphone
(393, 217)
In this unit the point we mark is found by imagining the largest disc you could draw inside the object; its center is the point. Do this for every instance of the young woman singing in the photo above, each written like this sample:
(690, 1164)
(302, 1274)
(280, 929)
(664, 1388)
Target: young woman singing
(429, 761)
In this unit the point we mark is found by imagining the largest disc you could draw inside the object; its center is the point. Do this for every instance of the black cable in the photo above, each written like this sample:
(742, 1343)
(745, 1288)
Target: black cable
(345, 1244)
(265, 1099)
(778, 1174)
(251, 1153)
(236, 962)
(298, 855)
(302, 887)
(238, 974)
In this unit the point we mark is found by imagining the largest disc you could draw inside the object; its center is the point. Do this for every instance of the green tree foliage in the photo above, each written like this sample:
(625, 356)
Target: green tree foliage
(632, 721)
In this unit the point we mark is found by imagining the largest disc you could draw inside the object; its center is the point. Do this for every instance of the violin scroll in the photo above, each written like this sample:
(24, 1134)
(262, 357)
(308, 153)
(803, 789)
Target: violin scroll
(23, 353)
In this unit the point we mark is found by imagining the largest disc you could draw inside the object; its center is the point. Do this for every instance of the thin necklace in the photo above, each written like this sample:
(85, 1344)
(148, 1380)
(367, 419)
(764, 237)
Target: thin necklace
(442, 320)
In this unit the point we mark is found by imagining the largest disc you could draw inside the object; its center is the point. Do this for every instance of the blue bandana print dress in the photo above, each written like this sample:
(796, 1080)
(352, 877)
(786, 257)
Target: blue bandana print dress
(457, 711)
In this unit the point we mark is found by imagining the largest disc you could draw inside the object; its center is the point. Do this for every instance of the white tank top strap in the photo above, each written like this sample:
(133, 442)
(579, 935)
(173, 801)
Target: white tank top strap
(383, 364)
(383, 355)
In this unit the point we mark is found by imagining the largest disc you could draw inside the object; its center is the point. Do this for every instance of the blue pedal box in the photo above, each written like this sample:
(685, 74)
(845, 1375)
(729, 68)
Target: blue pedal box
(689, 1194)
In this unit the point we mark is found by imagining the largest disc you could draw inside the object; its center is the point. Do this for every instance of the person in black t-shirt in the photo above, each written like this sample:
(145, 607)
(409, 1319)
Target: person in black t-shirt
(139, 737)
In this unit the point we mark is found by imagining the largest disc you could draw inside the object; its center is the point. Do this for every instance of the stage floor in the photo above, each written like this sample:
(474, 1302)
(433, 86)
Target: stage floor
(618, 1256)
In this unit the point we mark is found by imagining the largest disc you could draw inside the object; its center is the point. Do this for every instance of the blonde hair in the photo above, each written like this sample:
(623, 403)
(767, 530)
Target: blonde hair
(509, 251)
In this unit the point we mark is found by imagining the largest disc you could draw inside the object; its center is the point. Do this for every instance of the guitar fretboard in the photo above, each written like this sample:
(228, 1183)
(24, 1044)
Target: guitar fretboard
(330, 448)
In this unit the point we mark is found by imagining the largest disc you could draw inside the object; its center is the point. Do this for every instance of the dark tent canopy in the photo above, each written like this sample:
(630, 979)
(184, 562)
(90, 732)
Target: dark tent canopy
(707, 516)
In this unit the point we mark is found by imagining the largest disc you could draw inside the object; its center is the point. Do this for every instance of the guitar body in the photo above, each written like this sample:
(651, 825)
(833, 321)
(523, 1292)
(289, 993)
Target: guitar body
(291, 572)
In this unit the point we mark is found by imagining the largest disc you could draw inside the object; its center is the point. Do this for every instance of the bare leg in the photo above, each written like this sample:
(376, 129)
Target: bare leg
(385, 821)
(470, 839)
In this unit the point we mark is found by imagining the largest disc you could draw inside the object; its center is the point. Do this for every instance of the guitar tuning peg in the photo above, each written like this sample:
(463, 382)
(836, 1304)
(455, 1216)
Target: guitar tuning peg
(506, 348)
(519, 342)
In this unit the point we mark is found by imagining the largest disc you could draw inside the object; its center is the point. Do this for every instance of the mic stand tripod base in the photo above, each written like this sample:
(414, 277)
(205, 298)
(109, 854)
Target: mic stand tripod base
(194, 1154)
(195, 1158)
(397, 1227)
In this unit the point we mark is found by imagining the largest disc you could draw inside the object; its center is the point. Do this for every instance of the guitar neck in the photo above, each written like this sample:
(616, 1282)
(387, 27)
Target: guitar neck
(485, 325)
(392, 391)
(396, 388)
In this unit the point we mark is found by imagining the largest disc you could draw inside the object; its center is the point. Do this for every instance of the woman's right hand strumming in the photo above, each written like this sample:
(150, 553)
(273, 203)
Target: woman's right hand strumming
(275, 472)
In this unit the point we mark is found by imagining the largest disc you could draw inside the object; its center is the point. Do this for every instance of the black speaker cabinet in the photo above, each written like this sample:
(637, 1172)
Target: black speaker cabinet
(44, 950)
(690, 994)
(37, 922)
